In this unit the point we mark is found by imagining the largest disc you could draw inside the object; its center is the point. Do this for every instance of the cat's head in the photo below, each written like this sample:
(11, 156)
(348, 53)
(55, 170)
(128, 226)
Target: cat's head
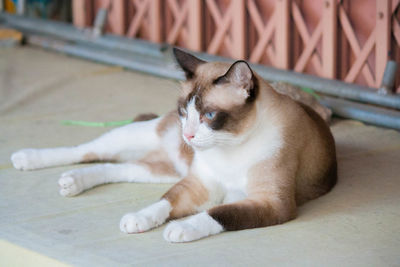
(217, 104)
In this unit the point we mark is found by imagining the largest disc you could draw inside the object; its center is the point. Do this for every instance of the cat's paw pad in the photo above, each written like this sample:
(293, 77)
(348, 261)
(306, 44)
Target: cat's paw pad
(181, 232)
(136, 223)
(24, 160)
(70, 184)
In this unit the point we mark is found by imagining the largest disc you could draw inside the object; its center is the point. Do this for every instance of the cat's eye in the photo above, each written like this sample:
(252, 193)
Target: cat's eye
(210, 115)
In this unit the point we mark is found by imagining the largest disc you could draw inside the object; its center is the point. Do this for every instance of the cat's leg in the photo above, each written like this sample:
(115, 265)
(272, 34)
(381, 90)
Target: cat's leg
(75, 181)
(268, 201)
(133, 141)
(187, 197)
(244, 214)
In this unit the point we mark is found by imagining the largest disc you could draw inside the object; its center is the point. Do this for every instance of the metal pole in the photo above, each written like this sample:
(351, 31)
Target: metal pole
(68, 32)
(330, 87)
(389, 77)
(21, 5)
(366, 113)
(135, 62)
(100, 22)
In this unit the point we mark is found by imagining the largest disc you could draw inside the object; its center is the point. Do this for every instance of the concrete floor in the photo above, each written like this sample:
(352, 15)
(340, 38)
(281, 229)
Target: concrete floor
(357, 224)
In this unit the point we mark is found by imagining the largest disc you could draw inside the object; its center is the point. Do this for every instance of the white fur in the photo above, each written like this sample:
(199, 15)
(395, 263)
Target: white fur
(125, 143)
(190, 124)
(233, 195)
(171, 143)
(75, 181)
(24, 160)
(147, 218)
(193, 228)
(31, 159)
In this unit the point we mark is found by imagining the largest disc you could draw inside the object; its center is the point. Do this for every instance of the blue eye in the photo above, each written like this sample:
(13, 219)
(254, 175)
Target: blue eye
(210, 115)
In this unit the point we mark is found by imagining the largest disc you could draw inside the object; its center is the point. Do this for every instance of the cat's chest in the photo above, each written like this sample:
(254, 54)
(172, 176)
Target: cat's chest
(228, 170)
(231, 168)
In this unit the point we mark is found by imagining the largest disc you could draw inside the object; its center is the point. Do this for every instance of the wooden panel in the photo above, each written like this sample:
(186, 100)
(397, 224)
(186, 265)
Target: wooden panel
(383, 29)
(262, 17)
(183, 23)
(282, 34)
(360, 38)
(82, 11)
(145, 20)
(329, 52)
(225, 30)
(310, 27)
(116, 16)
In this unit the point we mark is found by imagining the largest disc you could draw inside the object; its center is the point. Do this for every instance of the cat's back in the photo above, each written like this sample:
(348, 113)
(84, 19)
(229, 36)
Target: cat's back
(327, 151)
(307, 139)
(318, 166)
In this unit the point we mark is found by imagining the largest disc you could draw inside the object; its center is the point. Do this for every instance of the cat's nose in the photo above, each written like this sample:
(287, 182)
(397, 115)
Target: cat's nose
(189, 136)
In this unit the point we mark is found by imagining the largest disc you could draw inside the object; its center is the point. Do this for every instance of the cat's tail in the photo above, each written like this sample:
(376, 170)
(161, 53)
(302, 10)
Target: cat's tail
(145, 117)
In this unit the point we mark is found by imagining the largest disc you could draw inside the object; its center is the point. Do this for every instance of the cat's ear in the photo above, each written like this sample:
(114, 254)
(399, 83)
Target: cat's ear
(239, 74)
(188, 62)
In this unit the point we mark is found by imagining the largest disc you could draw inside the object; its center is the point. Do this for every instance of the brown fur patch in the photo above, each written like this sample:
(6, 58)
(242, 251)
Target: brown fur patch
(90, 157)
(170, 119)
(185, 196)
(272, 182)
(297, 94)
(159, 163)
(186, 153)
(186, 88)
(244, 214)
(145, 117)
(188, 62)
(326, 171)
(235, 120)
(225, 97)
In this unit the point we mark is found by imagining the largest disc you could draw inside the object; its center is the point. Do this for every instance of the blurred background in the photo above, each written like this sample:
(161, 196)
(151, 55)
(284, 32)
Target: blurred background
(349, 40)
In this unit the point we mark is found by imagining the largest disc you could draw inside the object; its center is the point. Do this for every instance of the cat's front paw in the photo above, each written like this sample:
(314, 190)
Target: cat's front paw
(147, 218)
(193, 228)
(181, 232)
(25, 159)
(70, 184)
(136, 223)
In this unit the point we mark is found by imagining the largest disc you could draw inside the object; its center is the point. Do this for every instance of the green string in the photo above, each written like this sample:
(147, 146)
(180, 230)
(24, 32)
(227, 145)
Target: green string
(125, 122)
(310, 91)
(96, 124)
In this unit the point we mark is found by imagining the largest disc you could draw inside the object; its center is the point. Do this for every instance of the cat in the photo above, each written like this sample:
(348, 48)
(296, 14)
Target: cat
(241, 154)
(297, 94)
